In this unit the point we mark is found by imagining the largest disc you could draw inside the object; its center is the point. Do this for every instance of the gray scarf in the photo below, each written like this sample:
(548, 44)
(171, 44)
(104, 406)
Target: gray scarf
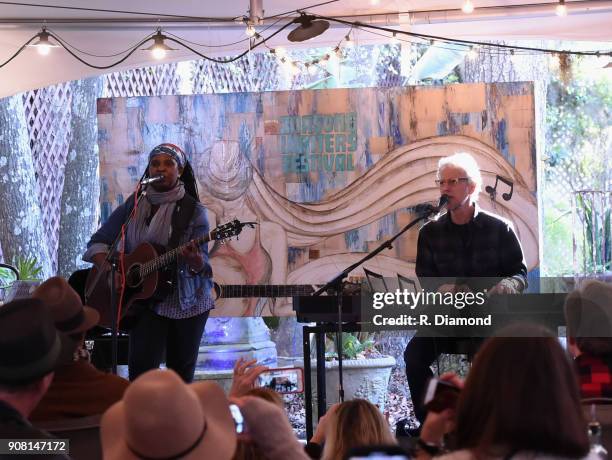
(158, 230)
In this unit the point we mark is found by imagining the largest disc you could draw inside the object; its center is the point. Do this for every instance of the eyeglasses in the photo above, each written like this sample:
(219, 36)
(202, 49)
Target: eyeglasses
(451, 182)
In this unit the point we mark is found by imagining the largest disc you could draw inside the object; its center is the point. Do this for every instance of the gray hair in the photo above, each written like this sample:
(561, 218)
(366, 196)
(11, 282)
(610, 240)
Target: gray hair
(466, 162)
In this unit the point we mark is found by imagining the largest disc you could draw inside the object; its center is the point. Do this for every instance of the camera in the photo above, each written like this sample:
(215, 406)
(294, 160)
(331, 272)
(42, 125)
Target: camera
(440, 395)
(282, 380)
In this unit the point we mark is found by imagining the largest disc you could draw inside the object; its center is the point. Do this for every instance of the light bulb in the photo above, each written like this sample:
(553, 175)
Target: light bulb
(468, 7)
(158, 53)
(280, 52)
(561, 9)
(250, 31)
(394, 39)
(43, 50)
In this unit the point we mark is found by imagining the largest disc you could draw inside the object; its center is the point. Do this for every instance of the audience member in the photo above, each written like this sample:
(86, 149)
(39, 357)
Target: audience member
(162, 417)
(30, 348)
(268, 427)
(355, 423)
(78, 388)
(588, 314)
(246, 449)
(520, 400)
(245, 374)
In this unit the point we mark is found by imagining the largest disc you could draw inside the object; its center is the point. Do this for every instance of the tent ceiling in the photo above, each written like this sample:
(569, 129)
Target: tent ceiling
(110, 32)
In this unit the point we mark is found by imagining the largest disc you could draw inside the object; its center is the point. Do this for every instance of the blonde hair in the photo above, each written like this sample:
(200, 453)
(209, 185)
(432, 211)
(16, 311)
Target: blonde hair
(355, 423)
(466, 162)
(267, 394)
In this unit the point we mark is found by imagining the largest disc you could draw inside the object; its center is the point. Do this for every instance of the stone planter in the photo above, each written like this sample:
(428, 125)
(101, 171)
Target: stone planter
(362, 378)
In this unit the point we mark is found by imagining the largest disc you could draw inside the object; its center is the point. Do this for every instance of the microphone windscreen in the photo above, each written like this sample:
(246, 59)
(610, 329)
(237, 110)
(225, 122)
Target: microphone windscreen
(443, 201)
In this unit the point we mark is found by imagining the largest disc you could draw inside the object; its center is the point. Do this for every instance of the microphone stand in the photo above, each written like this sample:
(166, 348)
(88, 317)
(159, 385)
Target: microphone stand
(111, 260)
(336, 283)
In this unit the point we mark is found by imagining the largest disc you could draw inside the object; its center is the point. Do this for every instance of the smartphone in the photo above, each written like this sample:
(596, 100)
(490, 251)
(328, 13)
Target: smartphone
(238, 418)
(440, 395)
(283, 380)
(378, 453)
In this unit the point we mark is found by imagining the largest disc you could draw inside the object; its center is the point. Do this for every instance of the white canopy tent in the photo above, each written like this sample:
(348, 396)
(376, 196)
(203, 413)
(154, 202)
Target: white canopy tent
(219, 26)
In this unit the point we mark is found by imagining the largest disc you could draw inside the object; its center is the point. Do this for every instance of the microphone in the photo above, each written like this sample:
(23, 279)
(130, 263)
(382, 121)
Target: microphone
(428, 208)
(150, 180)
(442, 203)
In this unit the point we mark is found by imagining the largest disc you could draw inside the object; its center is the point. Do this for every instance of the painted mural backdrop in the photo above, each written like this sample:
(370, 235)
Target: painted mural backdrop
(327, 174)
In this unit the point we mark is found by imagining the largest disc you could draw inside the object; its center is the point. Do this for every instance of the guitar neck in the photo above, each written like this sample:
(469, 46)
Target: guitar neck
(168, 257)
(228, 291)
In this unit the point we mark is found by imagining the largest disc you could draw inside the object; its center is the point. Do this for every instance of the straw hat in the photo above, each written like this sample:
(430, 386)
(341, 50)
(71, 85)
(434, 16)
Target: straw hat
(160, 416)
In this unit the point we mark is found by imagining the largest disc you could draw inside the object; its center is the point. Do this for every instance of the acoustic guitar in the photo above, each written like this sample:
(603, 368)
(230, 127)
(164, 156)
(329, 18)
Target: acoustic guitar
(150, 274)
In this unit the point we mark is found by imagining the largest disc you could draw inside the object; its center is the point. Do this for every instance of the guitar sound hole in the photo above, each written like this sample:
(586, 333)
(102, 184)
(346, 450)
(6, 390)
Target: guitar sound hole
(133, 276)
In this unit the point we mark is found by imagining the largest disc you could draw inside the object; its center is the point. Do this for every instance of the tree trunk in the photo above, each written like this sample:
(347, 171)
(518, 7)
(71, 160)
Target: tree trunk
(21, 232)
(495, 66)
(81, 191)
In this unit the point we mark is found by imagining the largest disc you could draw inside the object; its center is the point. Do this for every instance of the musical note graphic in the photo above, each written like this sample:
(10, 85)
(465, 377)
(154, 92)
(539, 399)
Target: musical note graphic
(492, 191)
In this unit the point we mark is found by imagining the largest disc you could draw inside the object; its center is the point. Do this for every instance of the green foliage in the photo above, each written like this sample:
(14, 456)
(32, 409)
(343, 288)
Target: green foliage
(7, 277)
(578, 119)
(29, 269)
(271, 321)
(577, 157)
(354, 344)
(596, 239)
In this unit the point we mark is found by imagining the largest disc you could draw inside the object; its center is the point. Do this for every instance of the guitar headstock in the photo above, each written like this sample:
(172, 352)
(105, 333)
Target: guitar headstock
(230, 229)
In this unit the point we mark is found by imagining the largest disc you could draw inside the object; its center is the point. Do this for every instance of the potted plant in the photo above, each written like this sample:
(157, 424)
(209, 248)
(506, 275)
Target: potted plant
(29, 276)
(365, 370)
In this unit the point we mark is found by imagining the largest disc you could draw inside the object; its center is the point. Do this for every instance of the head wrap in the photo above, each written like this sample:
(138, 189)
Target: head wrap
(169, 149)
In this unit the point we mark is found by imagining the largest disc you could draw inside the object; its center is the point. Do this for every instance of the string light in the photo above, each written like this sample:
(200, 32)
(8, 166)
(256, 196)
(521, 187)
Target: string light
(250, 30)
(159, 49)
(394, 39)
(280, 51)
(43, 45)
(468, 7)
(561, 9)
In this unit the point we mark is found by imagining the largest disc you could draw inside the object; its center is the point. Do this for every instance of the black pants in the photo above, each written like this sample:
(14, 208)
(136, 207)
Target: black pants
(153, 336)
(420, 354)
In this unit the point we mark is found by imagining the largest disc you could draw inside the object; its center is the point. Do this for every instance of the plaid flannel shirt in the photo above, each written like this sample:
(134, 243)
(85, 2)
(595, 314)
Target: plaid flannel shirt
(595, 376)
(486, 248)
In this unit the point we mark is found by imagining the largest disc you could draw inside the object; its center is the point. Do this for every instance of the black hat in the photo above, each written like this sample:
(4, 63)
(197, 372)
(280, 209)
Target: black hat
(30, 346)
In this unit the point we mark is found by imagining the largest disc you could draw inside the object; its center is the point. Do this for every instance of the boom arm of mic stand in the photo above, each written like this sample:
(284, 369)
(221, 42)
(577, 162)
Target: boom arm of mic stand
(337, 280)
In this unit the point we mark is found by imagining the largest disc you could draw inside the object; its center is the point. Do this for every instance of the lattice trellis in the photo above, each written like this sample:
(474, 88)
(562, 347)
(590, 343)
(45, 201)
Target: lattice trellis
(146, 81)
(257, 72)
(47, 112)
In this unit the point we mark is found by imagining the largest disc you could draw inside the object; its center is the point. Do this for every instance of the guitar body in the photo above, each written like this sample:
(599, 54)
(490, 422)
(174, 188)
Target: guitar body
(152, 286)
